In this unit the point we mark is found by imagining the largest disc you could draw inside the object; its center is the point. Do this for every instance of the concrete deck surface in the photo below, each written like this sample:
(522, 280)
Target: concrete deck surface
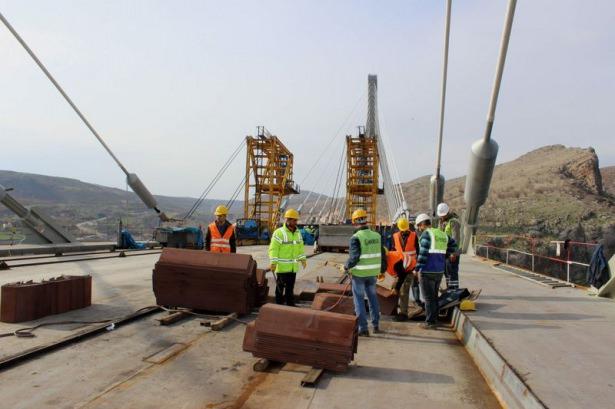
(405, 367)
(560, 341)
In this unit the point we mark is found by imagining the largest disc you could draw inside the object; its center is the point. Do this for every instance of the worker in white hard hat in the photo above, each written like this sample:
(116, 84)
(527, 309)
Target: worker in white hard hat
(366, 261)
(286, 252)
(220, 237)
(434, 247)
(449, 224)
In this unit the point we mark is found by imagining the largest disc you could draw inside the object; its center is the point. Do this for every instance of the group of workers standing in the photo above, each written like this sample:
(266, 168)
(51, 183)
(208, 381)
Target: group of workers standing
(420, 255)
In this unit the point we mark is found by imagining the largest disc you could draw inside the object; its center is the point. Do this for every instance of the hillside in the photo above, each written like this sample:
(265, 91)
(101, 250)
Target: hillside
(608, 179)
(91, 211)
(546, 191)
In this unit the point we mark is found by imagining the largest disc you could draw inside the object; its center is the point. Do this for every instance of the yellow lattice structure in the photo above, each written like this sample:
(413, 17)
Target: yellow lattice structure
(269, 178)
(362, 163)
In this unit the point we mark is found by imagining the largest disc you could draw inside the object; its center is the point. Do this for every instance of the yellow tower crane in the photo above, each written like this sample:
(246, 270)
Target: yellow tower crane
(269, 179)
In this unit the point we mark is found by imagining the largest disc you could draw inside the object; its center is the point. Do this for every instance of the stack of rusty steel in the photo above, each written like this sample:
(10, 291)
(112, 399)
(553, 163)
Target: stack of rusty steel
(320, 339)
(202, 280)
(333, 302)
(334, 288)
(387, 300)
(26, 301)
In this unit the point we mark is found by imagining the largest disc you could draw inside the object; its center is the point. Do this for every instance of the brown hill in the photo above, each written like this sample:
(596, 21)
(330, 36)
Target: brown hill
(545, 191)
(608, 179)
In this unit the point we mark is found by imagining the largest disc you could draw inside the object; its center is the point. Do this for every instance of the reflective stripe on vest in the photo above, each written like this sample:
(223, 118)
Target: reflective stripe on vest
(408, 251)
(437, 251)
(220, 243)
(289, 250)
(369, 264)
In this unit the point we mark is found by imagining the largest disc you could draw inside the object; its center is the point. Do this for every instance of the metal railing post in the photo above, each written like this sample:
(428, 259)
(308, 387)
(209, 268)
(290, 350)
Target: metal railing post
(532, 262)
(568, 271)
(507, 256)
(487, 247)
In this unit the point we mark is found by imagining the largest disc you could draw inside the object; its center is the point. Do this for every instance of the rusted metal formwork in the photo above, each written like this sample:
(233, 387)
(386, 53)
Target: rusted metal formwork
(334, 288)
(202, 280)
(26, 301)
(387, 301)
(321, 339)
(333, 302)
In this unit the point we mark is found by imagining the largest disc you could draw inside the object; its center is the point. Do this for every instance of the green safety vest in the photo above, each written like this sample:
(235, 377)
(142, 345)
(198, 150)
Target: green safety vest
(369, 264)
(448, 227)
(286, 250)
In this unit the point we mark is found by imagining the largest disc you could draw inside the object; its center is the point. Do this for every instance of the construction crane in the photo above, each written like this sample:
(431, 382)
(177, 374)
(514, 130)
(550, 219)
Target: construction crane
(268, 180)
(362, 175)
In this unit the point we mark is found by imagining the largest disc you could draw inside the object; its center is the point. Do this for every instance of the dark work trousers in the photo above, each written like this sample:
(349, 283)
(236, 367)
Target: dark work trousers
(401, 274)
(430, 286)
(416, 294)
(284, 289)
(452, 273)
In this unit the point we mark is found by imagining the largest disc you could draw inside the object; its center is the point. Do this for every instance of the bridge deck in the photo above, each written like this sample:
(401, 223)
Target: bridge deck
(560, 341)
(403, 367)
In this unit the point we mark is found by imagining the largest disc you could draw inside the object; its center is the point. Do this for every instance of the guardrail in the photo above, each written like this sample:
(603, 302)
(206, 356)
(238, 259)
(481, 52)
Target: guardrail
(504, 255)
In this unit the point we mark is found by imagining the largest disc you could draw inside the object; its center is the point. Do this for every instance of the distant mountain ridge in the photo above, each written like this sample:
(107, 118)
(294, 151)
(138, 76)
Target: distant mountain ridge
(545, 191)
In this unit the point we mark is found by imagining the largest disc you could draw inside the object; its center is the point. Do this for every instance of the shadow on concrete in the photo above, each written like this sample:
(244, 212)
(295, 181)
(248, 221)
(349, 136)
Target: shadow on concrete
(387, 375)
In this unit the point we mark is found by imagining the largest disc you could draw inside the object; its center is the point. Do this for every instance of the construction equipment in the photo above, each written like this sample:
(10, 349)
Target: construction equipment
(268, 180)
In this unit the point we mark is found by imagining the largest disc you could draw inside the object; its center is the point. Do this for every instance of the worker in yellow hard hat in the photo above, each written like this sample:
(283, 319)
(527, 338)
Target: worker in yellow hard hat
(401, 260)
(366, 261)
(220, 237)
(286, 252)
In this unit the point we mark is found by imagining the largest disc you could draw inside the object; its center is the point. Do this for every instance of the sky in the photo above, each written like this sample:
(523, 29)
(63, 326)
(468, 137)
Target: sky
(173, 87)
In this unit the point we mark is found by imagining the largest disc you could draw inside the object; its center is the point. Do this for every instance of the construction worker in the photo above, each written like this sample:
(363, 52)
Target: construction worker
(449, 224)
(367, 260)
(285, 253)
(220, 237)
(435, 247)
(402, 254)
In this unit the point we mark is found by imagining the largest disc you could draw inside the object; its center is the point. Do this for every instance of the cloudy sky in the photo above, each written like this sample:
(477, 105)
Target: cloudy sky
(174, 86)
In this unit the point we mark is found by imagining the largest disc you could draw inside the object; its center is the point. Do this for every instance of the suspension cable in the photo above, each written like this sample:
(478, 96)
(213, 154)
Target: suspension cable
(213, 182)
(62, 92)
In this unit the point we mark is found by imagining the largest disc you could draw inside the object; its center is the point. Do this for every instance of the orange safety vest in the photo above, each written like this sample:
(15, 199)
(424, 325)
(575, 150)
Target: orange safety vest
(407, 254)
(220, 243)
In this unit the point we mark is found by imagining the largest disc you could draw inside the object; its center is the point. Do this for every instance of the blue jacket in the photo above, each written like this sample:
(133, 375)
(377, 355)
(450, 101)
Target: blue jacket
(598, 270)
(424, 245)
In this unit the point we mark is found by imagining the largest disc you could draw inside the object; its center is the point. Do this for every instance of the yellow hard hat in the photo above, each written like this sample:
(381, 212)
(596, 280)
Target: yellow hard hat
(467, 305)
(403, 224)
(359, 214)
(221, 210)
(291, 214)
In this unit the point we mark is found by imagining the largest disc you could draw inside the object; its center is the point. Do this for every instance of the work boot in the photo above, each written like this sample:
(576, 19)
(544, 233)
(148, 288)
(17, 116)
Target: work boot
(428, 325)
(364, 333)
(377, 330)
(400, 318)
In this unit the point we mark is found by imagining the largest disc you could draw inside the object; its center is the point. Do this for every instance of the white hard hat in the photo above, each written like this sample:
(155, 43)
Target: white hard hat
(421, 218)
(442, 210)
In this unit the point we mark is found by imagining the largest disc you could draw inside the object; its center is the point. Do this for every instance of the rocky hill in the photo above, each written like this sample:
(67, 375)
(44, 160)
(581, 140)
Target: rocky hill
(92, 211)
(608, 179)
(545, 192)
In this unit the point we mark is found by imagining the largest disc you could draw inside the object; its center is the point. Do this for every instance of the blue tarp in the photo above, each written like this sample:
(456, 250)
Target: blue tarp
(128, 242)
(308, 238)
